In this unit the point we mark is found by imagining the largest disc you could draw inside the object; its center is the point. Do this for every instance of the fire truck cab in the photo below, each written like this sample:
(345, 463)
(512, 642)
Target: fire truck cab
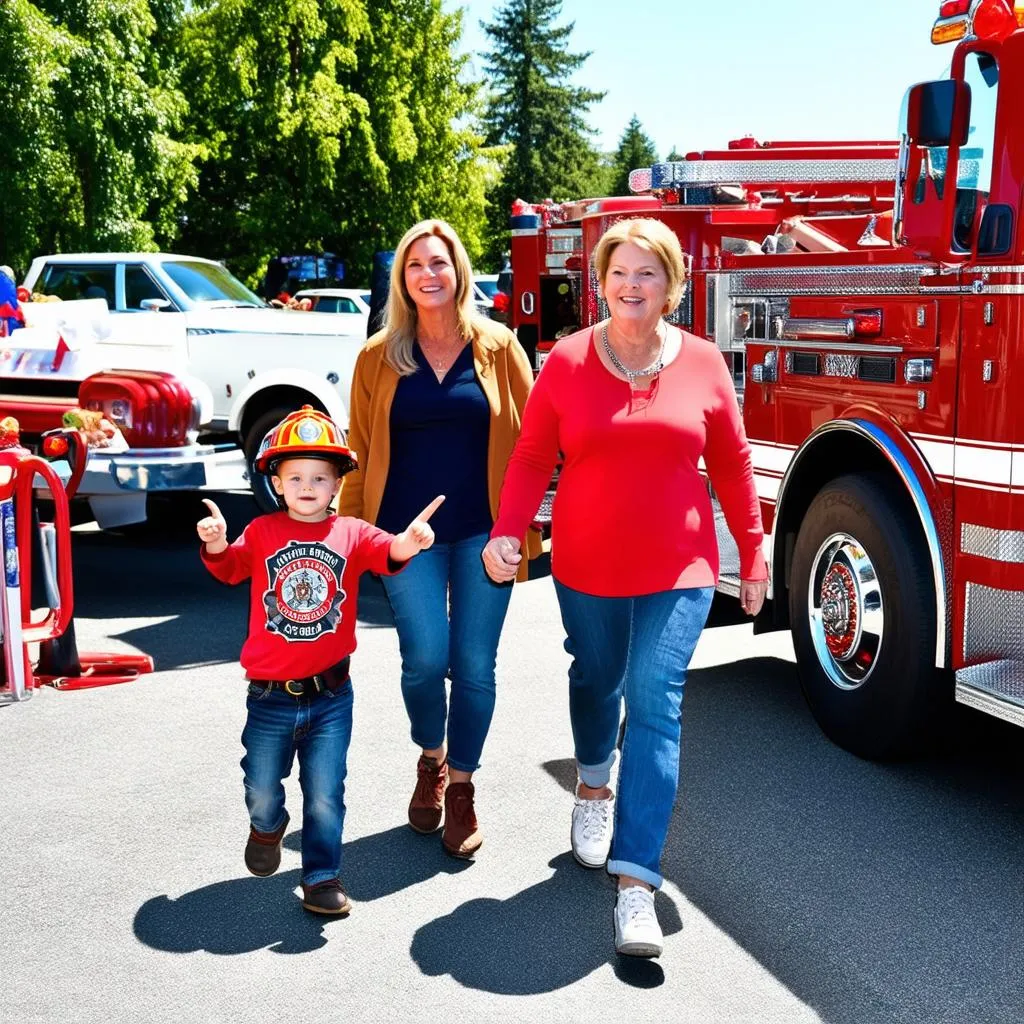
(869, 297)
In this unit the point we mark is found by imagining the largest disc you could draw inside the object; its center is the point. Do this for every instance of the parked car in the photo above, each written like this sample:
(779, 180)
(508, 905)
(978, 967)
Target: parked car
(337, 300)
(491, 300)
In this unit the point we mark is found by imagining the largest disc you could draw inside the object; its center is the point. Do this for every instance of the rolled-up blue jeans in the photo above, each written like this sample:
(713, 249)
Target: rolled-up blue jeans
(449, 615)
(318, 729)
(635, 649)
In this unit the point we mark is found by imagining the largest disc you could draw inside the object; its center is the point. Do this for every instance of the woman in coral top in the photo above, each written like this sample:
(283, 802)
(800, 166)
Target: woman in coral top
(633, 404)
(437, 397)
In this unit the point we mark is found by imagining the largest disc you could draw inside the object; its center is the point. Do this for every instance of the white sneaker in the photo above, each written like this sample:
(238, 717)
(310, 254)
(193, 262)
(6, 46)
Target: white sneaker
(592, 825)
(637, 932)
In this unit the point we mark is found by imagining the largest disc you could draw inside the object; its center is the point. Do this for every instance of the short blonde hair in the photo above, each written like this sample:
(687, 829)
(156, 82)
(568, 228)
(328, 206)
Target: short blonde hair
(656, 237)
(400, 313)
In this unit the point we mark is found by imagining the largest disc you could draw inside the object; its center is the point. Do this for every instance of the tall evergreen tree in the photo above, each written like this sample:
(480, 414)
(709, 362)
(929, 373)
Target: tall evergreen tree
(535, 112)
(635, 150)
(675, 154)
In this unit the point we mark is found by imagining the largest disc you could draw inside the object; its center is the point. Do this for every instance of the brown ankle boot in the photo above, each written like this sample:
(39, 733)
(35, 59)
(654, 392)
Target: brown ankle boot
(263, 851)
(428, 796)
(461, 836)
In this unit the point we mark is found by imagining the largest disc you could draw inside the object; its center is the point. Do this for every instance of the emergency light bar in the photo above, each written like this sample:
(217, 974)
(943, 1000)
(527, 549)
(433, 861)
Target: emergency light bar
(984, 19)
(690, 173)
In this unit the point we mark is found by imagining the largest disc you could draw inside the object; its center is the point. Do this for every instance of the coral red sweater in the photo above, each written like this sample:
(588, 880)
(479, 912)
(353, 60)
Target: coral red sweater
(305, 581)
(632, 513)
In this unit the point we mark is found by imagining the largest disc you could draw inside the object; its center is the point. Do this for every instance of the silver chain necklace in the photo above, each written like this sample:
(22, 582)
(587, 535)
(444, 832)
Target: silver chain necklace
(631, 375)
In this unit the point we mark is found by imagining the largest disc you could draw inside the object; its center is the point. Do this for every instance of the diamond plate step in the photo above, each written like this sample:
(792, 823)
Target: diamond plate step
(995, 687)
(728, 555)
(543, 516)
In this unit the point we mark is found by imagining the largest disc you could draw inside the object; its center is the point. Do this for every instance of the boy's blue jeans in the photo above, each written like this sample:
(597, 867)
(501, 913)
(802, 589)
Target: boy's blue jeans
(637, 649)
(449, 615)
(318, 729)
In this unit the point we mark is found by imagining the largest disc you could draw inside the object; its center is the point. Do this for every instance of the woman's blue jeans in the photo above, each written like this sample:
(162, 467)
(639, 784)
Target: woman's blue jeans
(318, 729)
(637, 649)
(449, 615)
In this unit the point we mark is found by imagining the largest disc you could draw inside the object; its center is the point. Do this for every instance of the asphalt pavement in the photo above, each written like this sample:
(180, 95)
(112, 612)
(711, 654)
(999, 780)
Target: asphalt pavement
(803, 884)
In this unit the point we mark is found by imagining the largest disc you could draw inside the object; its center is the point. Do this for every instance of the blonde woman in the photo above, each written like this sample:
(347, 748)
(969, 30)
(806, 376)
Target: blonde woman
(437, 397)
(634, 404)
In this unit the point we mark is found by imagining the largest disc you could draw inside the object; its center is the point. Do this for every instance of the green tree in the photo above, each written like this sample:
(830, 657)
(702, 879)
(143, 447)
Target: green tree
(90, 121)
(535, 112)
(635, 150)
(331, 125)
(675, 155)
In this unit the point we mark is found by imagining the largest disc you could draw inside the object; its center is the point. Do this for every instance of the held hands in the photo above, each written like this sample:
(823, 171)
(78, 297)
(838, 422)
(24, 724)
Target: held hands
(213, 529)
(417, 536)
(501, 558)
(752, 595)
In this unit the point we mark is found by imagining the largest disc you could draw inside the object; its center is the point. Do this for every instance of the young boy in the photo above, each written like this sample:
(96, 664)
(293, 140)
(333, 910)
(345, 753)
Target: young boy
(305, 563)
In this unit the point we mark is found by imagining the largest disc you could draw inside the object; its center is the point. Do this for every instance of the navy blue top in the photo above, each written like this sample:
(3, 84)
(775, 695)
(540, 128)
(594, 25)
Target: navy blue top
(439, 435)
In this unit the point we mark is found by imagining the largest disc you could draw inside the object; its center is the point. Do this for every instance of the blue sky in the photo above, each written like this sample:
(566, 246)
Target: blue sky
(698, 74)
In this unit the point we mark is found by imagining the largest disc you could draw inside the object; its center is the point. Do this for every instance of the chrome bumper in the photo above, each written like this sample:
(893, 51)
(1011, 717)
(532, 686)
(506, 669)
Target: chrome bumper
(193, 468)
(116, 484)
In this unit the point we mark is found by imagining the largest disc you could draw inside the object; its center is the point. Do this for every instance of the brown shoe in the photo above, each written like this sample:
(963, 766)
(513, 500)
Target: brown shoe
(461, 836)
(263, 851)
(428, 796)
(326, 898)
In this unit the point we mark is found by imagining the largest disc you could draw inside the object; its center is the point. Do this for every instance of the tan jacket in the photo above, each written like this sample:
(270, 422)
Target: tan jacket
(505, 377)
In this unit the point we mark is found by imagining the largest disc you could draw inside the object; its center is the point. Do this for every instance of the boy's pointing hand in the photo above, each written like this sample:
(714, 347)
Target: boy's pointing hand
(417, 536)
(213, 529)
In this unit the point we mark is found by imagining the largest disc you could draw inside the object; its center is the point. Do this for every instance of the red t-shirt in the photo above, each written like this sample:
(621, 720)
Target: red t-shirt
(305, 582)
(632, 514)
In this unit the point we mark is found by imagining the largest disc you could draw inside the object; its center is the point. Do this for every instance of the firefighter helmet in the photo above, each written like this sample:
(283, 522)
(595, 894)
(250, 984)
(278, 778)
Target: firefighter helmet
(306, 433)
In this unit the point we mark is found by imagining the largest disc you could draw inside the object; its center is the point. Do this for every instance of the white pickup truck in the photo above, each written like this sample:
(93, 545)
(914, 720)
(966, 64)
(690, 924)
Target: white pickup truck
(189, 364)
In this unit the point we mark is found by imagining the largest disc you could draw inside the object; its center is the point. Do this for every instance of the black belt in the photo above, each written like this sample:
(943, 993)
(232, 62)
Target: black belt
(333, 678)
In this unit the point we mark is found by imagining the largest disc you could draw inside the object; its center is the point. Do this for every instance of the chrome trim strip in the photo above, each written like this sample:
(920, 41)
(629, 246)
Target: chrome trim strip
(803, 327)
(838, 346)
(899, 462)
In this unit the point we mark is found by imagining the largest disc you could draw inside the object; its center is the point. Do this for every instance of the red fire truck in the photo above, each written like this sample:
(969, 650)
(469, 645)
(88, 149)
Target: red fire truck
(869, 297)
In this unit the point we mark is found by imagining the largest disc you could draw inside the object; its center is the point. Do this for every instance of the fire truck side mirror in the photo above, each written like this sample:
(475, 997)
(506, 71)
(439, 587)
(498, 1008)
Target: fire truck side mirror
(931, 107)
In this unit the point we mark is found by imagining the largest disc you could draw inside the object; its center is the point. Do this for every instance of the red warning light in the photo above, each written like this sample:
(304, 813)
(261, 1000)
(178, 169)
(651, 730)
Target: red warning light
(55, 447)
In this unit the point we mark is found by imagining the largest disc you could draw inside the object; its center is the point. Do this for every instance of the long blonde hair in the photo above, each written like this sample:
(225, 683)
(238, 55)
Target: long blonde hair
(400, 313)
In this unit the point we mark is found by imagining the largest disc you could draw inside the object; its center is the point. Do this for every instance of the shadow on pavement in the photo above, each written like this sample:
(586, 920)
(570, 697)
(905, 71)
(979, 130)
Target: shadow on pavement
(544, 938)
(851, 881)
(239, 915)
(388, 862)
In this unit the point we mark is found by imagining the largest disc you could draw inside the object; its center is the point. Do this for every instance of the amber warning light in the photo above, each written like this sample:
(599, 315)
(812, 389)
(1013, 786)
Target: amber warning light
(985, 19)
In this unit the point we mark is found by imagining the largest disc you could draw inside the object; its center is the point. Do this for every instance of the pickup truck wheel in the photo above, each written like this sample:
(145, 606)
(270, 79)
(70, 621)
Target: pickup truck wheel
(262, 490)
(862, 605)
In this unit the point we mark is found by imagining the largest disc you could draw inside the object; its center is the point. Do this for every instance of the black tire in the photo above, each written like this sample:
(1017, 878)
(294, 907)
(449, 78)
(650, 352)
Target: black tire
(868, 674)
(262, 490)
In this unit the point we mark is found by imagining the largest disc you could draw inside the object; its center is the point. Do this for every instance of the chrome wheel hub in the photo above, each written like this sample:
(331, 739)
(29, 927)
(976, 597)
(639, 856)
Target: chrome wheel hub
(844, 604)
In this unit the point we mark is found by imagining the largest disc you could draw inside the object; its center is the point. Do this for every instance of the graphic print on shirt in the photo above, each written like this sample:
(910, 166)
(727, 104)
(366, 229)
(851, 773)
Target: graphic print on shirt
(304, 597)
